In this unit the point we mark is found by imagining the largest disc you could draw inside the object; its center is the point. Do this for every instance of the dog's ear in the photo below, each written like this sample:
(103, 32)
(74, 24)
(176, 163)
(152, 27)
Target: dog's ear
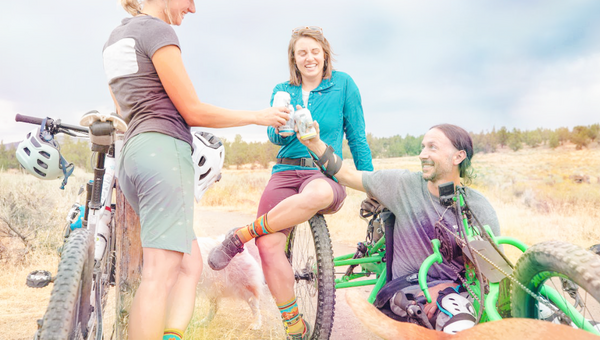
(385, 327)
(505, 329)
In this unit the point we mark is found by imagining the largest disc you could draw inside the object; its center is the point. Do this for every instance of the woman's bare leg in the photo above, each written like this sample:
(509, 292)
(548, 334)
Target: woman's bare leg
(181, 301)
(148, 310)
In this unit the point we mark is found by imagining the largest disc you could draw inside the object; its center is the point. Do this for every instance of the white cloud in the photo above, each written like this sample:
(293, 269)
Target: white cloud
(565, 93)
(477, 64)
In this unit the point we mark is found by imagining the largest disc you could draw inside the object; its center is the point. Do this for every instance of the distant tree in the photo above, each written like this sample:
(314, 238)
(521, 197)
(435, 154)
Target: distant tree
(263, 153)
(532, 138)
(396, 147)
(503, 136)
(484, 142)
(594, 131)
(492, 138)
(563, 134)
(412, 145)
(237, 152)
(545, 134)
(8, 160)
(580, 137)
(514, 142)
(553, 141)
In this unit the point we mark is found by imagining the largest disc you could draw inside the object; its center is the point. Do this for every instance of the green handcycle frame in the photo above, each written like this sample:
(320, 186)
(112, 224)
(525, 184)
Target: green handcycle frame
(373, 263)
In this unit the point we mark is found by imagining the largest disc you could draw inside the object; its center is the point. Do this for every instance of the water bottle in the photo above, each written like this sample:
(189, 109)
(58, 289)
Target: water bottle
(102, 230)
(109, 165)
(304, 121)
(282, 98)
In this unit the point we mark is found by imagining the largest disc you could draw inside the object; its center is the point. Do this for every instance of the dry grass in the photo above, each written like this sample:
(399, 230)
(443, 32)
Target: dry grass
(536, 198)
(36, 209)
(531, 190)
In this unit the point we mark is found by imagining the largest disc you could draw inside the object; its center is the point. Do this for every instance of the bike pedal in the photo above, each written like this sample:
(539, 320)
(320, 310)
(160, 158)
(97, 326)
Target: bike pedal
(39, 279)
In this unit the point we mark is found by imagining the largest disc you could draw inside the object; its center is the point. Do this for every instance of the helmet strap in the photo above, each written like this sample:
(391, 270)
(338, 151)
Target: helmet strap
(67, 169)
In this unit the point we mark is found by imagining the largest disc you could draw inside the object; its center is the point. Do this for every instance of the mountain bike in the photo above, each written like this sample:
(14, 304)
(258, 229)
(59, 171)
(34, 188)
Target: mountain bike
(553, 281)
(86, 270)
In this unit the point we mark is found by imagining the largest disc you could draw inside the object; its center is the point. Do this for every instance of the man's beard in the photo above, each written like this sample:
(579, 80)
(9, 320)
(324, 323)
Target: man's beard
(433, 174)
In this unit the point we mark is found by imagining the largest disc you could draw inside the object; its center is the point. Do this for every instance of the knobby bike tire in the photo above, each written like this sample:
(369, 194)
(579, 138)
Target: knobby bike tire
(551, 260)
(311, 256)
(69, 307)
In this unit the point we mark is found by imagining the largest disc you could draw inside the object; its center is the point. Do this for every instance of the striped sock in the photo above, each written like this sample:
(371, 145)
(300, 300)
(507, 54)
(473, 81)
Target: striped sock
(255, 229)
(173, 334)
(291, 317)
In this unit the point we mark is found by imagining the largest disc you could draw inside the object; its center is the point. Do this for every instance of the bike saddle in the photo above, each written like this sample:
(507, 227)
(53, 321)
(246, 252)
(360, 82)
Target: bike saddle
(93, 116)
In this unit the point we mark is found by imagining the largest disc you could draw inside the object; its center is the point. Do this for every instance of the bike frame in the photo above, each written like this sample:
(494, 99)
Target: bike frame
(100, 194)
(371, 263)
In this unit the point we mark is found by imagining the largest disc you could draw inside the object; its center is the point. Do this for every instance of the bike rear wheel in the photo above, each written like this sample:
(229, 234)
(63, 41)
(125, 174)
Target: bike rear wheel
(571, 271)
(68, 311)
(310, 253)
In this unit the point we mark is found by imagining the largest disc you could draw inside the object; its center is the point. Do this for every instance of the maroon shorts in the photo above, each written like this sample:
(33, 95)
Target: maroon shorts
(284, 184)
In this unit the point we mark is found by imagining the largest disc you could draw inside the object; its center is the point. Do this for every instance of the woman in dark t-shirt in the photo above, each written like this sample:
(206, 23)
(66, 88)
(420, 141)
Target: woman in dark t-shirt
(154, 94)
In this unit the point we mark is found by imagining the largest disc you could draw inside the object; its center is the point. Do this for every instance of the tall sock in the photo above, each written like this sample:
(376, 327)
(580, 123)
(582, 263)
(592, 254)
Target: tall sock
(255, 229)
(173, 334)
(291, 317)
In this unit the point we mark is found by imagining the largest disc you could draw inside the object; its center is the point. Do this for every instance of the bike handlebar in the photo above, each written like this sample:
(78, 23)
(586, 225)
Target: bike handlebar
(49, 123)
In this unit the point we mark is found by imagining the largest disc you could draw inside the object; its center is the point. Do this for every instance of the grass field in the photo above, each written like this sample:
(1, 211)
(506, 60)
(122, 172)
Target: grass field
(534, 192)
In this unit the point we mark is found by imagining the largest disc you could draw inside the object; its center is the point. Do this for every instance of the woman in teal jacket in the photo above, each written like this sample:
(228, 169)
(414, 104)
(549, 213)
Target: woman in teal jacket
(297, 190)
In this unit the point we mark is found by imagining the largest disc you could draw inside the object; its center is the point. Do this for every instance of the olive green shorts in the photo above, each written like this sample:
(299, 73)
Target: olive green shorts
(156, 175)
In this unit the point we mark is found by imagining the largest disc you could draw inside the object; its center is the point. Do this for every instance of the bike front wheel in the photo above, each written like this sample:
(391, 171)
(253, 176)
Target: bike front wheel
(310, 253)
(565, 282)
(69, 307)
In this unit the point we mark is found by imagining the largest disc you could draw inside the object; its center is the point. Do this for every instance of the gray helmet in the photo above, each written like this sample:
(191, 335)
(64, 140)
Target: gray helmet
(40, 157)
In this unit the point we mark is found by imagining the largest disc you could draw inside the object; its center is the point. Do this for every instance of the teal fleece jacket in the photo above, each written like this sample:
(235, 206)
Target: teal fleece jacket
(336, 105)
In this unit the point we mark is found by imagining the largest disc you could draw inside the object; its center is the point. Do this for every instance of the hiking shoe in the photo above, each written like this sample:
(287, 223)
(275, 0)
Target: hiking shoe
(301, 336)
(221, 255)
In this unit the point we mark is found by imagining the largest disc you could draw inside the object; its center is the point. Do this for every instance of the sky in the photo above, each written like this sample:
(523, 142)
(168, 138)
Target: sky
(478, 64)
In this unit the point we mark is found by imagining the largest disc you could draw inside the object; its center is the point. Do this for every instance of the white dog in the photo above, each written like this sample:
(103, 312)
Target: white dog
(242, 278)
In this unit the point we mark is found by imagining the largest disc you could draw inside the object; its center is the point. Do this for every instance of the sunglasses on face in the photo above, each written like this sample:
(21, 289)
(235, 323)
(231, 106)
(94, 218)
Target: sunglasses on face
(297, 30)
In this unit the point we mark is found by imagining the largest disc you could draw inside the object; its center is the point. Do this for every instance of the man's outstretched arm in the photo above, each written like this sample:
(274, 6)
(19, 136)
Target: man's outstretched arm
(346, 175)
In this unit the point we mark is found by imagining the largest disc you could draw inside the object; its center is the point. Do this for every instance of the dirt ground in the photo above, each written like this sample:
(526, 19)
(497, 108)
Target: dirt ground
(213, 223)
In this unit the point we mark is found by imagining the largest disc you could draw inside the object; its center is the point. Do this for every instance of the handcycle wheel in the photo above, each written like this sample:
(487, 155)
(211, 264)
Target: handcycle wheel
(568, 269)
(309, 251)
(69, 307)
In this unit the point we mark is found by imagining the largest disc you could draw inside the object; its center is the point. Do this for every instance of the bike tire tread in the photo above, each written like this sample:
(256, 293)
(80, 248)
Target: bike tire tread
(326, 278)
(62, 308)
(580, 265)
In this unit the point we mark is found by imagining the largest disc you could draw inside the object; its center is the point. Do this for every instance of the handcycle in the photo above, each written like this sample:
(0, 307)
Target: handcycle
(86, 270)
(553, 281)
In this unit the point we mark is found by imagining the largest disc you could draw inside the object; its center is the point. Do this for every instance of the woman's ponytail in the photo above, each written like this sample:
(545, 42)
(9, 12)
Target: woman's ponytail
(132, 7)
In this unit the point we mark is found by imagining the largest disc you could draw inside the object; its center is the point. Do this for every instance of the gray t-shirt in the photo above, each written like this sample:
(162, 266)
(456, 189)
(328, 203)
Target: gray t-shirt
(406, 195)
(132, 77)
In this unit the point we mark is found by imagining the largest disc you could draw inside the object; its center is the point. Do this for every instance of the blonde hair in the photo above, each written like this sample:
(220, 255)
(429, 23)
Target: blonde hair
(295, 75)
(132, 7)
